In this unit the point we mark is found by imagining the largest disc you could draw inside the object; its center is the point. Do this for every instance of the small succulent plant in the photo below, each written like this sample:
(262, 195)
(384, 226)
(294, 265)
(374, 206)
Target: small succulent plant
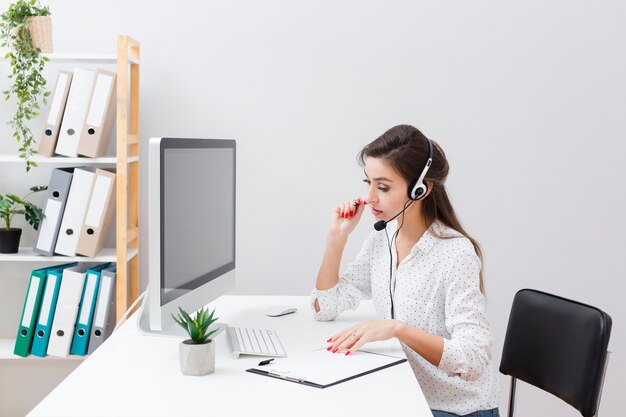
(197, 327)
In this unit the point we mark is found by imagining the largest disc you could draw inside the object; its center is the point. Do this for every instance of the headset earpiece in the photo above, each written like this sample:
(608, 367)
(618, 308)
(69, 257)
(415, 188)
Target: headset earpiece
(417, 189)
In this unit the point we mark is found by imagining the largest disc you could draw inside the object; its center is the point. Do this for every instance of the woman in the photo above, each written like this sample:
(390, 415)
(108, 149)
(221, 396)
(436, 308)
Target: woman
(422, 271)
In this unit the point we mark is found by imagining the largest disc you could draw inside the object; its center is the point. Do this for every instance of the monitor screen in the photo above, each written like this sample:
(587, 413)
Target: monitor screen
(198, 215)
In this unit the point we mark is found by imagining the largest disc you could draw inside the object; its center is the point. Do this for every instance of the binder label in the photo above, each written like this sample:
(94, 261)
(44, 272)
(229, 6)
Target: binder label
(30, 301)
(98, 201)
(47, 299)
(105, 289)
(88, 299)
(48, 225)
(55, 107)
(99, 100)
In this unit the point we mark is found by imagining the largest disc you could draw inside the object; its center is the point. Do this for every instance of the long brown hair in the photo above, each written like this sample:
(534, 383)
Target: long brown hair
(405, 149)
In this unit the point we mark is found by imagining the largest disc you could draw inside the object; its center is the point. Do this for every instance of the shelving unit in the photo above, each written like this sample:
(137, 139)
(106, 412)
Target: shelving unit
(126, 162)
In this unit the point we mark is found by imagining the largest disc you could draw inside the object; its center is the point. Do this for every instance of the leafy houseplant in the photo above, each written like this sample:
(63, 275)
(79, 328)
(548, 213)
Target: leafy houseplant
(27, 65)
(197, 354)
(10, 205)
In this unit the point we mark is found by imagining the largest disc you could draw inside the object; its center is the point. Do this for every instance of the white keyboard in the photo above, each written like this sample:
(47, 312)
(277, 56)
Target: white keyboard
(258, 342)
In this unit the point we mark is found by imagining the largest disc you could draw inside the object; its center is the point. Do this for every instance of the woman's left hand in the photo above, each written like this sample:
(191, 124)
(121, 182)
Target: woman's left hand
(356, 336)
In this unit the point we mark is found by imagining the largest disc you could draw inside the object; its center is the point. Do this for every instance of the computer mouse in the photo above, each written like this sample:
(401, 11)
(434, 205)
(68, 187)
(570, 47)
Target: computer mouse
(278, 311)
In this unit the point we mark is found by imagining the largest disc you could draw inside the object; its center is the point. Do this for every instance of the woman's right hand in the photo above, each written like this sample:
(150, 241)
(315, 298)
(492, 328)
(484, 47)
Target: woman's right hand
(346, 216)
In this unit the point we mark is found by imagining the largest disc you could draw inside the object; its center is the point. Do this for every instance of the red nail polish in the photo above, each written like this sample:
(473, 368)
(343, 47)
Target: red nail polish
(351, 214)
(330, 339)
(335, 350)
(329, 347)
(347, 353)
(358, 201)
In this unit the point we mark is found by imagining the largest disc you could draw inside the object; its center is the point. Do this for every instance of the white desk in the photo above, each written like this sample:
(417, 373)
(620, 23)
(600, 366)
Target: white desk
(132, 374)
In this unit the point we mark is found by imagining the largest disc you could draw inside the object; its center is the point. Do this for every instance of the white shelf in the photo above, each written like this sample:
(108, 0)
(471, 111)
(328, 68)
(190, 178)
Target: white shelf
(104, 58)
(77, 58)
(27, 255)
(6, 352)
(60, 160)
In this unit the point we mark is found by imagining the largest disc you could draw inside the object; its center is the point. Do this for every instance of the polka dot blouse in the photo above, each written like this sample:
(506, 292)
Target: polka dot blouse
(436, 290)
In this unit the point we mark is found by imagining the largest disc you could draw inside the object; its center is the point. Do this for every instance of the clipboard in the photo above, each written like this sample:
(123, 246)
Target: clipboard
(323, 369)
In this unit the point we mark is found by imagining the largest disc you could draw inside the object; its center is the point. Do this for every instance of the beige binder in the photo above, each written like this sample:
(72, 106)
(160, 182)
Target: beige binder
(95, 228)
(55, 114)
(96, 131)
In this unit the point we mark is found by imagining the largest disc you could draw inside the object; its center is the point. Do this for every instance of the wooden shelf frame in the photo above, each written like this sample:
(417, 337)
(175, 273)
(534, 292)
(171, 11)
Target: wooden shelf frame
(127, 198)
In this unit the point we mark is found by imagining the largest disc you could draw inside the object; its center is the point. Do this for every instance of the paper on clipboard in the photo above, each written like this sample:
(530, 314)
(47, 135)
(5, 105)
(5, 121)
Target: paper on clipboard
(322, 369)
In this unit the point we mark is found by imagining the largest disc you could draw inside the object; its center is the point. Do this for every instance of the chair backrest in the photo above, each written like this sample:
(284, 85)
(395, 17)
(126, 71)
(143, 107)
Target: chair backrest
(558, 345)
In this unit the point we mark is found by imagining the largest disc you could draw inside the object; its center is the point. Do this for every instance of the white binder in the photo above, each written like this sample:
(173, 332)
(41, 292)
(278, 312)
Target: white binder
(66, 312)
(56, 198)
(75, 210)
(75, 111)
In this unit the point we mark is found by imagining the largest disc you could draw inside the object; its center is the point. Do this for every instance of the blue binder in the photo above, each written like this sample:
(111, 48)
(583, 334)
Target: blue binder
(47, 309)
(24, 339)
(80, 341)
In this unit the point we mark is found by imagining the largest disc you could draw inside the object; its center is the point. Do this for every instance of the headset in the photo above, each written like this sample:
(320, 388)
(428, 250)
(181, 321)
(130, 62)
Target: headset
(416, 191)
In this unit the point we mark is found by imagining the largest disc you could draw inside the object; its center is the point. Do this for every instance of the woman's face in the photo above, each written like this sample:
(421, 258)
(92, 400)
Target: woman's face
(386, 189)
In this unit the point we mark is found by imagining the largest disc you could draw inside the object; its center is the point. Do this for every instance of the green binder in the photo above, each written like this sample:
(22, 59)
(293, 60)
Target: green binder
(30, 312)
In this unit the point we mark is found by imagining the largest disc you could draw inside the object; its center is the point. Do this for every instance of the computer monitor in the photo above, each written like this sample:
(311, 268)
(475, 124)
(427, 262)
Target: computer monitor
(191, 219)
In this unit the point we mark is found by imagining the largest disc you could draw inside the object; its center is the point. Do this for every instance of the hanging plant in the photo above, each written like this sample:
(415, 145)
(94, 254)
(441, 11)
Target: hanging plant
(27, 64)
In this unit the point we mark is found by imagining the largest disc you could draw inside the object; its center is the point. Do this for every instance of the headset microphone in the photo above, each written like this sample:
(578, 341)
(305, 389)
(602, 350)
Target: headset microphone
(382, 224)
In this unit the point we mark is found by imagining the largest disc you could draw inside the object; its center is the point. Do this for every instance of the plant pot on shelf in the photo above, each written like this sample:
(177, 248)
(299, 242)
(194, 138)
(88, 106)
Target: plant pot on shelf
(40, 28)
(196, 359)
(10, 240)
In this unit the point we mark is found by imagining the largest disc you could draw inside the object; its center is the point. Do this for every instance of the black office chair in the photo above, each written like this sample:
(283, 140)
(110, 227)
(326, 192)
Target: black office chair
(558, 345)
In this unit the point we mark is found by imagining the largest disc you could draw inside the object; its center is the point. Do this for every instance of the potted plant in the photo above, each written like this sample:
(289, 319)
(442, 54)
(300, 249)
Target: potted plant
(19, 32)
(197, 354)
(10, 205)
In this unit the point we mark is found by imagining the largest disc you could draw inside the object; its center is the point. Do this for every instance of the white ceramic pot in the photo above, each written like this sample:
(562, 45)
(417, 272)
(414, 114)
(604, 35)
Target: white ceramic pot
(196, 359)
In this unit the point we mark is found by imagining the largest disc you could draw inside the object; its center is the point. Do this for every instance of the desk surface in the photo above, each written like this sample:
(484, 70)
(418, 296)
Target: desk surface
(132, 374)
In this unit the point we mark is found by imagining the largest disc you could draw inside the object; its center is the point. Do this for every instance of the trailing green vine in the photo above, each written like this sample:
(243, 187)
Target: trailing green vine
(27, 65)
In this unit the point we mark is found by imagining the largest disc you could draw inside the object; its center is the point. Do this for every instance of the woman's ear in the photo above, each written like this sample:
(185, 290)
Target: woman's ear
(429, 188)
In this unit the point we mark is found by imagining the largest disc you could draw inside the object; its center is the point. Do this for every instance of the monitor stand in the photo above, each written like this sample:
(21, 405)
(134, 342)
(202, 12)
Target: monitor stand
(143, 324)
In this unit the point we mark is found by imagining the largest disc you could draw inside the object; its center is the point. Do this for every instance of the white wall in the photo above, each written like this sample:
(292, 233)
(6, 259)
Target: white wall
(528, 100)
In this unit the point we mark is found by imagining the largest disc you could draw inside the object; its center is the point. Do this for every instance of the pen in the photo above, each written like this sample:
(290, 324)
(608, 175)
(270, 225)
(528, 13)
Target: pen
(265, 362)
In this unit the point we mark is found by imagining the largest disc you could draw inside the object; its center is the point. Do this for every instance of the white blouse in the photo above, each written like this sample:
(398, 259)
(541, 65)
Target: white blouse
(436, 290)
